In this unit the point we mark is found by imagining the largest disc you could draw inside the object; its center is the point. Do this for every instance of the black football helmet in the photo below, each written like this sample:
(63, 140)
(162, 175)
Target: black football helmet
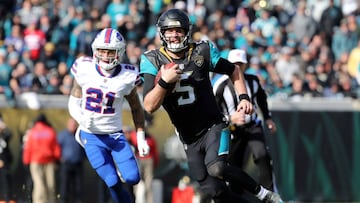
(174, 18)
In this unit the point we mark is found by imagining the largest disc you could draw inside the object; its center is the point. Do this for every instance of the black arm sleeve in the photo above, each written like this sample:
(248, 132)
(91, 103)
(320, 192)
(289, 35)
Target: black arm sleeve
(224, 66)
(261, 99)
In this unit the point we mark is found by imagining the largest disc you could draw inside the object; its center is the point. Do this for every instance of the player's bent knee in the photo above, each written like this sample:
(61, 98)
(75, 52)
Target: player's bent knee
(259, 154)
(111, 180)
(131, 177)
(216, 169)
(108, 174)
(212, 187)
(128, 171)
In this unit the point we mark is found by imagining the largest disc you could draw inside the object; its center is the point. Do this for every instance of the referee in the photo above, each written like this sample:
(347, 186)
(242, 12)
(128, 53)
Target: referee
(251, 133)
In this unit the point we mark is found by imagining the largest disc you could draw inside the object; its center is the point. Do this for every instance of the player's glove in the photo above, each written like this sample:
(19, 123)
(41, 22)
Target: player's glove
(142, 145)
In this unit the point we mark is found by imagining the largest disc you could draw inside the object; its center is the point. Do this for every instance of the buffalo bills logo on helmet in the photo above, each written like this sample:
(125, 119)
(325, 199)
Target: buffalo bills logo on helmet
(119, 36)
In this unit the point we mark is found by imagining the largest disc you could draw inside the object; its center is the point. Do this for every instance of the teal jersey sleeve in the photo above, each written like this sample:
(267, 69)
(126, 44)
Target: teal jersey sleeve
(214, 56)
(146, 66)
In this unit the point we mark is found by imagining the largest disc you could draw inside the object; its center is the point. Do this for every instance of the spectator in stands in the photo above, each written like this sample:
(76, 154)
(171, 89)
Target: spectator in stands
(72, 164)
(13, 57)
(54, 83)
(74, 26)
(348, 86)
(340, 41)
(45, 26)
(50, 57)
(104, 22)
(6, 7)
(6, 193)
(40, 80)
(67, 21)
(34, 39)
(16, 39)
(274, 85)
(330, 18)
(24, 88)
(313, 87)
(41, 153)
(354, 27)
(133, 53)
(147, 165)
(26, 60)
(62, 69)
(21, 79)
(266, 24)
(354, 61)
(5, 77)
(117, 10)
(86, 36)
(286, 66)
(315, 8)
(333, 91)
(349, 6)
(256, 69)
(27, 13)
(297, 88)
(66, 84)
(135, 22)
(95, 16)
(302, 25)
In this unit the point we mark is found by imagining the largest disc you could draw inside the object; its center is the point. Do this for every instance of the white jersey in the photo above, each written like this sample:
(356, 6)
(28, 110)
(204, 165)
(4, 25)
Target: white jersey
(103, 96)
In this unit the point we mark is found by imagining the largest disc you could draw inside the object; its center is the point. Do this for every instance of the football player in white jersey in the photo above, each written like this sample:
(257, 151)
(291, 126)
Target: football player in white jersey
(100, 85)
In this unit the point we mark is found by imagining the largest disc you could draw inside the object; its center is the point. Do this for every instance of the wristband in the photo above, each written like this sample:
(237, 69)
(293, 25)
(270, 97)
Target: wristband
(140, 135)
(244, 96)
(164, 84)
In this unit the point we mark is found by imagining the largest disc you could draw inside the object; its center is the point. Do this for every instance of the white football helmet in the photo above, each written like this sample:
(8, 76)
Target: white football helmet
(109, 39)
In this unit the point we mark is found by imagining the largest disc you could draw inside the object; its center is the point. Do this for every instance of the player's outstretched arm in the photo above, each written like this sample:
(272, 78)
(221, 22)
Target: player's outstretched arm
(137, 110)
(239, 84)
(74, 104)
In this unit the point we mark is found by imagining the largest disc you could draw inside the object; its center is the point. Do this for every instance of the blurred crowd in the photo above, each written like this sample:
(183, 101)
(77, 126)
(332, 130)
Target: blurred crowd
(305, 48)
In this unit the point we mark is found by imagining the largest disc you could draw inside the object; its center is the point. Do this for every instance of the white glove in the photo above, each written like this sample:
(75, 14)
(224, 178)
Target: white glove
(142, 145)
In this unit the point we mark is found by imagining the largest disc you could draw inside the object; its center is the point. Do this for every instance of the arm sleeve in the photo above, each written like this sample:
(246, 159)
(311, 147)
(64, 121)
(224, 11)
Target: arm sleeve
(224, 66)
(221, 65)
(74, 106)
(148, 72)
(261, 100)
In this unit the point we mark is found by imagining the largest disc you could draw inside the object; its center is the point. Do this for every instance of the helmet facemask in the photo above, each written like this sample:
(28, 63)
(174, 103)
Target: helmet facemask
(174, 18)
(174, 47)
(107, 62)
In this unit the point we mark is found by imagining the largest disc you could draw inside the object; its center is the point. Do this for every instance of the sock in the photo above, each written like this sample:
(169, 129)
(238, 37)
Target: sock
(119, 194)
(262, 193)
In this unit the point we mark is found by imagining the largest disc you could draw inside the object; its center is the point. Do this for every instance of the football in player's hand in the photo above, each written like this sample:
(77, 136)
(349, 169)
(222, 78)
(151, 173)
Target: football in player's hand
(158, 75)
